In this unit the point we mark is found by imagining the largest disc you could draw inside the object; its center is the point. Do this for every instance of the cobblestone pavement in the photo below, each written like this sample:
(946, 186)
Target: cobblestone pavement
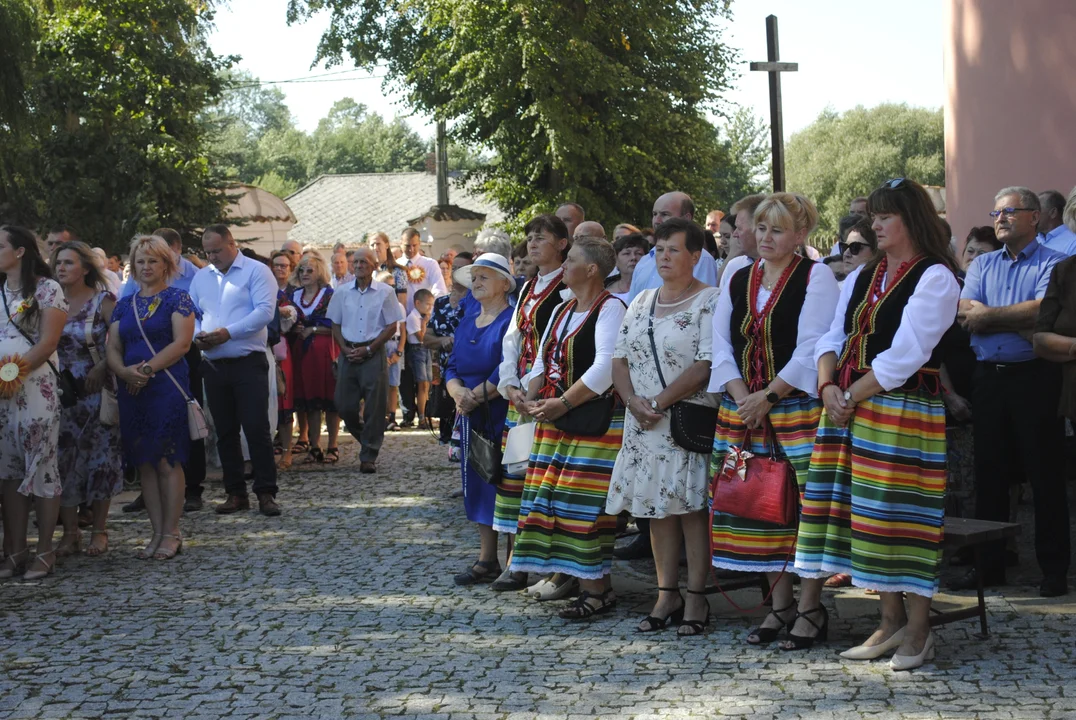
(345, 607)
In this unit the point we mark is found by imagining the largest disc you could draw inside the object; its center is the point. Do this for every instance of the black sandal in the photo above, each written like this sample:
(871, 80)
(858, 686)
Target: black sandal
(300, 447)
(332, 456)
(768, 635)
(492, 570)
(675, 617)
(696, 626)
(802, 642)
(316, 455)
(580, 609)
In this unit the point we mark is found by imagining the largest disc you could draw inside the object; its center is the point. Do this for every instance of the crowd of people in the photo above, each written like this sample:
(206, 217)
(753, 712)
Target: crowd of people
(615, 379)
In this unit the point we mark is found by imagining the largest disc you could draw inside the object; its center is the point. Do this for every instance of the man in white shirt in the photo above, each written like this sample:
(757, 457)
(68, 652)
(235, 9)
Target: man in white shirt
(339, 267)
(1053, 233)
(112, 280)
(237, 297)
(670, 205)
(422, 272)
(365, 315)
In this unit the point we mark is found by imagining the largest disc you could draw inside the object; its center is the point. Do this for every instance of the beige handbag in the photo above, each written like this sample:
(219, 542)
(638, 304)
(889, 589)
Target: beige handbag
(110, 405)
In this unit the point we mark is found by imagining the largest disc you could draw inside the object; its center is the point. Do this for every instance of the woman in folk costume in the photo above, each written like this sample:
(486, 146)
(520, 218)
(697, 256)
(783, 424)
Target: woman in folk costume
(547, 243)
(769, 317)
(563, 526)
(874, 503)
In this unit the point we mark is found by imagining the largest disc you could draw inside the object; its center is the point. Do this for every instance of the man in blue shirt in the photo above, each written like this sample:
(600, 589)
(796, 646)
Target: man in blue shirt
(1053, 233)
(237, 297)
(666, 207)
(1018, 432)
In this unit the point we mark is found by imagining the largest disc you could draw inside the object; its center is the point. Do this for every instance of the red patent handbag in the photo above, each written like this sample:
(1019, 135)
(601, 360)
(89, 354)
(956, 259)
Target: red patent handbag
(757, 487)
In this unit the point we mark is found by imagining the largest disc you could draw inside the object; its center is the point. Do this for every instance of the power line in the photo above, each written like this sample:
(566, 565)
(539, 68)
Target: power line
(310, 79)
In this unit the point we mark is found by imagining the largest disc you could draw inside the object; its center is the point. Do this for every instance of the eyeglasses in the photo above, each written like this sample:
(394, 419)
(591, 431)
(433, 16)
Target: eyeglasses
(855, 248)
(893, 184)
(281, 266)
(306, 271)
(1009, 212)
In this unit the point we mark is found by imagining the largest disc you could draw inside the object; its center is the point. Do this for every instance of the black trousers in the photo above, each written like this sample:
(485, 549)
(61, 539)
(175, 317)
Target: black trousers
(1017, 428)
(194, 470)
(408, 397)
(238, 394)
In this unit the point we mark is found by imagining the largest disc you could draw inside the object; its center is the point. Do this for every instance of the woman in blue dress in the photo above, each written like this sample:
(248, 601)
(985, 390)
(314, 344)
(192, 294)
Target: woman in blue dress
(154, 387)
(471, 379)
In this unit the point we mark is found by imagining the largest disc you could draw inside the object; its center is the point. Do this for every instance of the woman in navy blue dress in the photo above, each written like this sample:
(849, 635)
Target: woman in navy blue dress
(471, 379)
(153, 410)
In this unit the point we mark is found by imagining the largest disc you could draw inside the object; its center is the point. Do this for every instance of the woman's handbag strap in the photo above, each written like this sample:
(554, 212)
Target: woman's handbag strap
(138, 322)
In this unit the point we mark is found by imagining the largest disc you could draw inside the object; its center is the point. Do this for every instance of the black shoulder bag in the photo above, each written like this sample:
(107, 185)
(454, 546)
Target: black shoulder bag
(692, 425)
(66, 384)
(484, 453)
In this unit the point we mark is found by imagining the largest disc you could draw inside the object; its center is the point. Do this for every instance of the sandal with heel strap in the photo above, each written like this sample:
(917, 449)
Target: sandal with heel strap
(675, 617)
(300, 447)
(316, 456)
(159, 554)
(768, 635)
(580, 609)
(49, 567)
(695, 626)
(470, 576)
(12, 567)
(332, 456)
(803, 642)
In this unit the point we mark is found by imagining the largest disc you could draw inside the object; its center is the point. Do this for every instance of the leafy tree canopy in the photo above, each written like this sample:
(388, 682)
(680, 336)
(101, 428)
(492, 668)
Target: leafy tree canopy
(600, 103)
(841, 156)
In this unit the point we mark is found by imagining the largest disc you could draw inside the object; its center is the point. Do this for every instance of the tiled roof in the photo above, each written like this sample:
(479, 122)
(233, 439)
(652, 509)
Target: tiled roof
(344, 208)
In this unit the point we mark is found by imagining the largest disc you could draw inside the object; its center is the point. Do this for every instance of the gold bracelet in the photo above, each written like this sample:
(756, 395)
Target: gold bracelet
(566, 403)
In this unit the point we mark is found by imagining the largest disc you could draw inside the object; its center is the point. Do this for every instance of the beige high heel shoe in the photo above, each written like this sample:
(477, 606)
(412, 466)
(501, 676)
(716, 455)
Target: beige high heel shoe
(870, 652)
(911, 662)
(165, 554)
(49, 567)
(11, 566)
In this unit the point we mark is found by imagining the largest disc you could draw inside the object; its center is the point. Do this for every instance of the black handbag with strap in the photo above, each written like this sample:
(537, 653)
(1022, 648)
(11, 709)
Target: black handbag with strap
(692, 426)
(483, 450)
(591, 419)
(66, 385)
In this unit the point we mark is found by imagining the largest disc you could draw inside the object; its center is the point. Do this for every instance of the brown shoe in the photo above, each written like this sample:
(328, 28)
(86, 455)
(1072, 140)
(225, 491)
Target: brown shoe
(267, 505)
(367, 466)
(233, 504)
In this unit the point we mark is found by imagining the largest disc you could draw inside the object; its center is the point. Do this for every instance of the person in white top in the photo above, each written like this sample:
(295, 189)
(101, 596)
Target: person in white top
(417, 368)
(112, 280)
(769, 318)
(422, 272)
(629, 250)
(340, 275)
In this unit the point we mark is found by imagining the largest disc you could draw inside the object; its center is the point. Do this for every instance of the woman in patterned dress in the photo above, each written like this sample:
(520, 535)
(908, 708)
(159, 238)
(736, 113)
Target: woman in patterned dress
(153, 411)
(91, 459)
(314, 353)
(653, 476)
(30, 330)
(769, 317)
(874, 502)
(547, 243)
(563, 526)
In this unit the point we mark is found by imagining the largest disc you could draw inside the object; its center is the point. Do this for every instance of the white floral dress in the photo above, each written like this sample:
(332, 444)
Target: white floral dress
(653, 476)
(30, 421)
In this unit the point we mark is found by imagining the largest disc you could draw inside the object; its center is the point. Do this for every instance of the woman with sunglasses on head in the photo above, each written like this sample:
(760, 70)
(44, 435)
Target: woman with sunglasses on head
(874, 503)
(768, 320)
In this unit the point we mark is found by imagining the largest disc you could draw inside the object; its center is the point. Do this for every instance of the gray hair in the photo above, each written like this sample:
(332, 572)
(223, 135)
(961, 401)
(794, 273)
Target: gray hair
(1069, 215)
(1028, 198)
(493, 240)
(597, 251)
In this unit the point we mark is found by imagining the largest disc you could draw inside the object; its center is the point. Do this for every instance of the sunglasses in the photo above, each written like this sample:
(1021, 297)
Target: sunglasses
(892, 184)
(1009, 212)
(855, 248)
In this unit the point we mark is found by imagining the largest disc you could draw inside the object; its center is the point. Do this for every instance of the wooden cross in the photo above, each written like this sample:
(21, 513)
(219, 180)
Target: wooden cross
(775, 68)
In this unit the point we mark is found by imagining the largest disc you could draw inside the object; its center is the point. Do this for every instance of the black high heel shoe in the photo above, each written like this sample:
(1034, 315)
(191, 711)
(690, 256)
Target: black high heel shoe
(768, 635)
(696, 626)
(675, 617)
(802, 642)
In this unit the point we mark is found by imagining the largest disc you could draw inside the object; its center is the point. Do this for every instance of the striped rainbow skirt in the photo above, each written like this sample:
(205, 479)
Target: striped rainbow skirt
(510, 489)
(874, 505)
(749, 545)
(563, 526)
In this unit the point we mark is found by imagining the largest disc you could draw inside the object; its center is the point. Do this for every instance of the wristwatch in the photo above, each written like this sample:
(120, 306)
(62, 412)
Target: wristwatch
(654, 406)
(145, 369)
(848, 396)
(771, 397)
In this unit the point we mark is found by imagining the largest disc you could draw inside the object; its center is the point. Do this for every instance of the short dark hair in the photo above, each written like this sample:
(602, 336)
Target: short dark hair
(423, 294)
(465, 255)
(709, 242)
(115, 256)
(547, 222)
(170, 236)
(984, 234)
(687, 206)
(845, 224)
(694, 239)
(636, 240)
(520, 250)
(1052, 200)
(863, 227)
(220, 230)
(410, 232)
(577, 206)
(63, 228)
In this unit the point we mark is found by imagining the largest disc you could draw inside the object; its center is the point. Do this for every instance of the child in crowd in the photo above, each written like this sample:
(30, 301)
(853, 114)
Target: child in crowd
(417, 356)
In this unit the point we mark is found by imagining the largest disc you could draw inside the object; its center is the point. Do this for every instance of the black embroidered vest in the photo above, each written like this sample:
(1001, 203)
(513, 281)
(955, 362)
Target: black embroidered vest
(575, 354)
(531, 333)
(764, 345)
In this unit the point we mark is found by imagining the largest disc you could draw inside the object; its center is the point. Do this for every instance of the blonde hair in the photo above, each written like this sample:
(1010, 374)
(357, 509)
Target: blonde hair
(158, 247)
(785, 208)
(316, 261)
(1068, 215)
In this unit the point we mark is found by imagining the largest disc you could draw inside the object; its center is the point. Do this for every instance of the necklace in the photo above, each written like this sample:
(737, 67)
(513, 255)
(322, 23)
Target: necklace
(677, 299)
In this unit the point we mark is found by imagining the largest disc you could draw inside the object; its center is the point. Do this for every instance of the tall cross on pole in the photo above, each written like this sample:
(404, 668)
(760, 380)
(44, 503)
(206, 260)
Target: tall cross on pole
(775, 68)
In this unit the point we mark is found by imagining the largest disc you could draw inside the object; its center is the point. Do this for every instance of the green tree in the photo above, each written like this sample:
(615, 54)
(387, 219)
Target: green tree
(352, 140)
(601, 103)
(744, 146)
(841, 156)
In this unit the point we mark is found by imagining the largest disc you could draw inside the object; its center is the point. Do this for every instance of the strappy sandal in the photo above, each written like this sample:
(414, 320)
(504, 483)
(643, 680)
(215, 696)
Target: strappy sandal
(491, 570)
(159, 554)
(67, 549)
(300, 447)
(580, 609)
(91, 550)
(332, 456)
(316, 455)
(145, 553)
(284, 461)
(767, 635)
(802, 642)
(13, 567)
(392, 426)
(695, 626)
(675, 617)
(49, 567)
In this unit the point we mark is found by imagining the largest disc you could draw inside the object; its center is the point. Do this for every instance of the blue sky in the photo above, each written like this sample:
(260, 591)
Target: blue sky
(850, 52)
